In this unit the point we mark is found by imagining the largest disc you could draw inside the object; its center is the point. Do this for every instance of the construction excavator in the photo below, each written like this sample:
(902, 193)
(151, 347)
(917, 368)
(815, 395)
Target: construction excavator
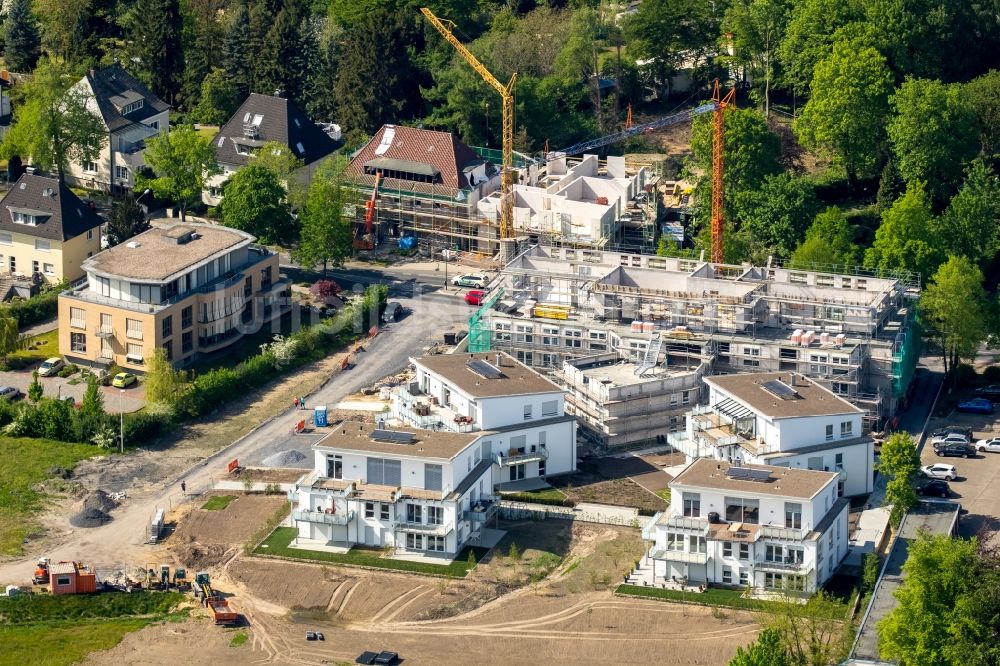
(364, 237)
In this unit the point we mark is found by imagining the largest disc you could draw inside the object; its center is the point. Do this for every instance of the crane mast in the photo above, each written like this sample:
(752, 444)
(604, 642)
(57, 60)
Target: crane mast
(718, 170)
(506, 93)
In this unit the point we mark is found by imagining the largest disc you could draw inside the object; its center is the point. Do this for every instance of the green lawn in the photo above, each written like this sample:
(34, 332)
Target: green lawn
(24, 463)
(278, 544)
(218, 503)
(62, 630)
(45, 346)
(712, 596)
(664, 494)
(207, 132)
(238, 639)
(541, 495)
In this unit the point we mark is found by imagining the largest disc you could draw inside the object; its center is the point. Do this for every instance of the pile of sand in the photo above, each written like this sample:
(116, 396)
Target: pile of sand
(99, 500)
(91, 517)
(284, 458)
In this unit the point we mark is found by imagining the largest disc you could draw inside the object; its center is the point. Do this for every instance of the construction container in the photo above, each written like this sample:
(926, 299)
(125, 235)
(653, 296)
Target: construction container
(807, 339)
(797, 336)
(156, 526)
(71, 578)
(824, 338)
(840, 339)
(636, 327)
(319, 416)
(602, 201)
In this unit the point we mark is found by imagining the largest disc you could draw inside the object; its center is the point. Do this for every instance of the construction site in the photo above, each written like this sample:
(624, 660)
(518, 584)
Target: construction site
(630, 336)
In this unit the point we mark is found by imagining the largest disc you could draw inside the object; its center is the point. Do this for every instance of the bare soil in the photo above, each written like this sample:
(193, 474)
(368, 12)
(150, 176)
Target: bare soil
(631, 481)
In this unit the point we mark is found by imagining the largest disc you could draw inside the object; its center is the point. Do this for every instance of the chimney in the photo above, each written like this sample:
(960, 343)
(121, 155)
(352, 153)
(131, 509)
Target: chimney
(498, 360)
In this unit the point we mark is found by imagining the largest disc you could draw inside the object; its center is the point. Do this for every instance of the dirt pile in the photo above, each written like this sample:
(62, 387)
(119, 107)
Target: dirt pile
(284, 458)
(199, 556)
(91, 517)
(99, 500)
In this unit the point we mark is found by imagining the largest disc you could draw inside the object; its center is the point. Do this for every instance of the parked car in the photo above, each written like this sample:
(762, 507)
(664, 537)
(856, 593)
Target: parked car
(991, 391)
(957, 449)
(934, 487)
(976, 406)
(50, 367)
(476, 280)
(948, 430)
(393, 311)
(10, 393)
(123, 379)
(951, 438)
(386, 658)
(310, 635)
(991, 445)
(939, 471)
(475, 296)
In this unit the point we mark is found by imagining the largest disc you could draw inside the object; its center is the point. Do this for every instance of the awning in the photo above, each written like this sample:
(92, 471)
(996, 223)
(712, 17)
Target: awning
(733, 409)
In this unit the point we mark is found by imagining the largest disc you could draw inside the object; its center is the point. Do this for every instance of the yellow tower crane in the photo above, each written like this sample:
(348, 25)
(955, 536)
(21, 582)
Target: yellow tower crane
(507, 95)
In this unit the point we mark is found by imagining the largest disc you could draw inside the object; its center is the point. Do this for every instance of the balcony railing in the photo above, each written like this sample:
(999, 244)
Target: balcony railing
(323, 518)
(679, 556)
(525, 456)
(687, 524)
(104, 332)
(425, 528)
(783, 533)
(481, 512)
(649, 529)
(783, 565)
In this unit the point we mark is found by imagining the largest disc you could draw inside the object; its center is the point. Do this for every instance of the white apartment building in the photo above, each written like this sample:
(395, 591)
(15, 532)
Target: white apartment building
(520, 413)
(766, 527)
(410, 490)
(782, 419)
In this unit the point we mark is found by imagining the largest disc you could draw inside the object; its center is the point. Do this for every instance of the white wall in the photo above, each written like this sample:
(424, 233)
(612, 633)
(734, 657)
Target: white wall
(858, 462)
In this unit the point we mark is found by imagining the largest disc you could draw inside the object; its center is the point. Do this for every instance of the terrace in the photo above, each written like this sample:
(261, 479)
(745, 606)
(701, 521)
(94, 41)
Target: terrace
(424, 411)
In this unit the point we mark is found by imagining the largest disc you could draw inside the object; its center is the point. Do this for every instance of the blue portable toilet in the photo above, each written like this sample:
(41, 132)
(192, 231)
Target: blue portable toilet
(319, 415)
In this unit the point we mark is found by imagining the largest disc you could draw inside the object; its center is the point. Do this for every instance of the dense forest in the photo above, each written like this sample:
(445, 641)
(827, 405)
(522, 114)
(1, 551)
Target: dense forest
(866, 131)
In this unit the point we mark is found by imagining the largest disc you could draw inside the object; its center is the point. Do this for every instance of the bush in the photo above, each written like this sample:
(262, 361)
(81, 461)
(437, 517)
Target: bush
(112, 371)
(535, 499)
(965, 376)
(38, 308)
(144, 426)
(68, 370)
(991, 374)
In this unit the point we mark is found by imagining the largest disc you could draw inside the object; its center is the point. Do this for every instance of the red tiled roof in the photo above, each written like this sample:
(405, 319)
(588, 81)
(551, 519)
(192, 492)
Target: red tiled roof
(442, 150)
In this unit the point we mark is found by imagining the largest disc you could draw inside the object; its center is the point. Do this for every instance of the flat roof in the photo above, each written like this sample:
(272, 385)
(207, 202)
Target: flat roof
(357, 436)
(782, 481)
(155, 255)
(622, 373)
(810, 399)
(515, 377)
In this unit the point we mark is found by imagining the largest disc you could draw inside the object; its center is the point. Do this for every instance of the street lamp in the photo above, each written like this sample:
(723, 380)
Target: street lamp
(121, 415)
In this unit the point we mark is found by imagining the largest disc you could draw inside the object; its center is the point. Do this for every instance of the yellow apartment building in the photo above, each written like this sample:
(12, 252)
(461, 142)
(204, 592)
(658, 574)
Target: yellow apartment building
(192, 289)
(46, 230)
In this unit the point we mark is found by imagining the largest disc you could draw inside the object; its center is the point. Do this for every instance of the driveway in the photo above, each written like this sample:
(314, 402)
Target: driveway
(128, 400)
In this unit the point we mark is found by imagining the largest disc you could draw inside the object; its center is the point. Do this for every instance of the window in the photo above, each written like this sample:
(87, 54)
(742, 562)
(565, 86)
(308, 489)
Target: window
(541, 467)
(751, 351)
(186, 344)
(187, 317)
(744, 551)
(121, 173)
(501, 330)
(829, 432)
(773, 553)
(168, 349)
(334, 467)
(134, 106)
(692, 505)
(675, 541)
(415, 541)
(13, 264)
(62, 580)
(840, 388)
(727, 549)
(744, 577)
(435, 515)
(168, 326)
(751, 363)
(155, 124)
(788, 353)
(527, 412)
(697, 544)
(741, 510)
(369, 509)
(133, 329)
(797, 278)
(43, 245)
(34, 267)
(517, 472)
(524, 333)
(414, 513)
(77, 318)
(49, 269)
(435, 543)
(846, 429)
(90, 167)
(383, 511)
(793, 515)
(838, 461)
(727, 575)
(78, 342)
(573, 337)
(25, 218)
(299, 147)
(134, 353)
(383, 472)
(6, 239)
(432, 477)
(550, 408)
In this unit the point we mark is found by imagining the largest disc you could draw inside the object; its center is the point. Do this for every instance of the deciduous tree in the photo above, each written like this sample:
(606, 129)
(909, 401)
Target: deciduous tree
(970, 226)
(985, 90)
(757, 28)
(35, 388)
(845, 115)
(181, 160)
(829, 243)
(10, 340)
(809, 37)
(906, 239)
(219, 98)
(933, 132)
(64, 27)
(162, 383)
(92, 416)
(52, 123)
(22, 44)
(814, 633)
(774, 217)
(954, 304)
(767, 650)
(326, 236)
(255, 201)
(126, 220)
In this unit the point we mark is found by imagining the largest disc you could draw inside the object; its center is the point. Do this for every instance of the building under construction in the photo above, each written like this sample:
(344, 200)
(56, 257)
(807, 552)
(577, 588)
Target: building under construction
(431, 186)
(628, 334)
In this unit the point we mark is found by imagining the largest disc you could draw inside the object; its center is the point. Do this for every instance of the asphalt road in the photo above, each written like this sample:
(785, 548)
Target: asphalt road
(430, 311)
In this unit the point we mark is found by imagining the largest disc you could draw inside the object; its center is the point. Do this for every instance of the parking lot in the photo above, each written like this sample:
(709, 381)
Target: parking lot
(977, 487)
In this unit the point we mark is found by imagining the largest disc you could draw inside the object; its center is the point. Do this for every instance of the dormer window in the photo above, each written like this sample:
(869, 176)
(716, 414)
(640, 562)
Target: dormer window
(25, 218)
(133, 106)
(243, 149)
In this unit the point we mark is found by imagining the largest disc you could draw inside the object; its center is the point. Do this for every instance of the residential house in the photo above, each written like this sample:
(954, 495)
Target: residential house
(521, 412)
(261, 119)
(770, 528)
(782, 419)
(415, 491)
(191, 289)
(132, 115)
(46, 230)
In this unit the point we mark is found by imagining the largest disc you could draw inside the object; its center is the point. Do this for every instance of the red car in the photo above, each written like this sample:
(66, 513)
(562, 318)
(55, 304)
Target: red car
(475, 296)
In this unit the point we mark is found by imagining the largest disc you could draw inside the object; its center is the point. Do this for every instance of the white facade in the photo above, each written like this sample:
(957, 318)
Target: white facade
(406, 501)
(528, 433)
(716, 533)
(828, 438)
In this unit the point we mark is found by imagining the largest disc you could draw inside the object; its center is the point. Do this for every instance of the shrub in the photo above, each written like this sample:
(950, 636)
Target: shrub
(145, 426)
(964, 376)
(992, 374)
(38, 308)
(534, 499)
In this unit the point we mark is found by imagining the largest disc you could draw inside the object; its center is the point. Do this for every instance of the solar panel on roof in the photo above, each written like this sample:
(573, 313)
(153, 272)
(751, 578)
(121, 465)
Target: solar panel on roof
(484, 369)
(780, 389)
(392, 436)
(748, 474)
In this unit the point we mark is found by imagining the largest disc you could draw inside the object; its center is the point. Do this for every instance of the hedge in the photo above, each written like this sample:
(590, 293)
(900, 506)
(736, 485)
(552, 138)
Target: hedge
(39, 308)
(534, 499)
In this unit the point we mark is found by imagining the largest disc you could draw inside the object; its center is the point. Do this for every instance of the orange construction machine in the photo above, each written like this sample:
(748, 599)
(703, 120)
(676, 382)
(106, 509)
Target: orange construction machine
(364, 237)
